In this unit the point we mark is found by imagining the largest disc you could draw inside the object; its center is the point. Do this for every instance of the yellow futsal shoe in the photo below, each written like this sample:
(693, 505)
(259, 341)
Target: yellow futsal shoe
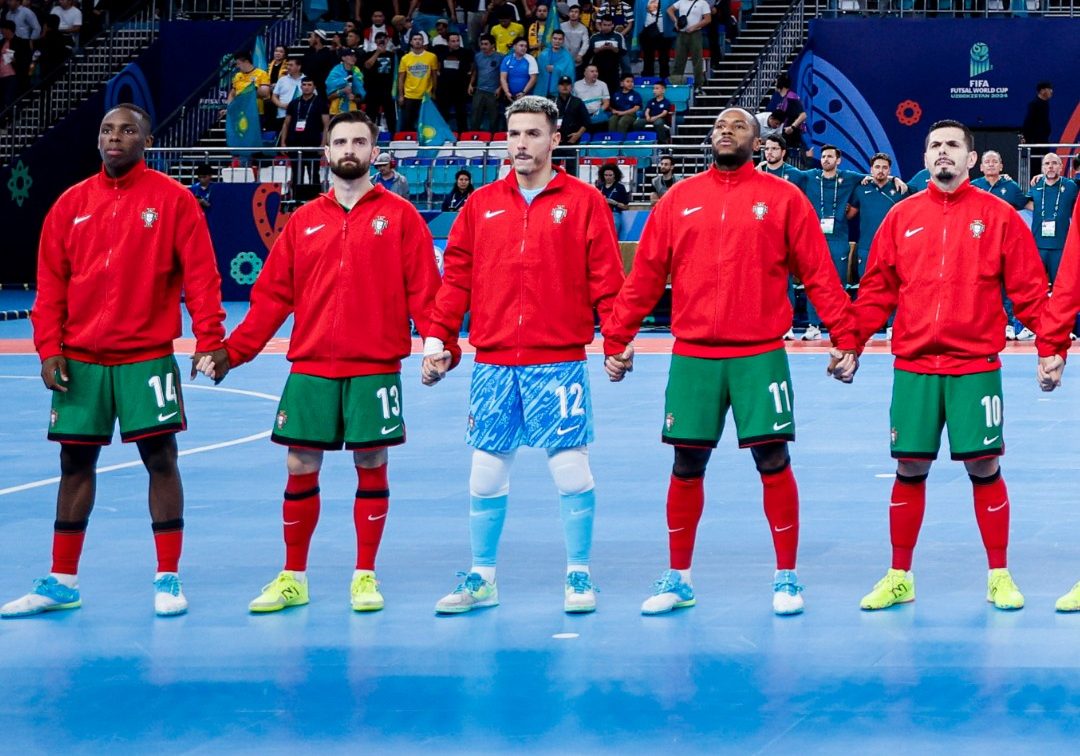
(897, 587)
(1002, 592)
(365, 592)
(1070, 602)
(284, 592)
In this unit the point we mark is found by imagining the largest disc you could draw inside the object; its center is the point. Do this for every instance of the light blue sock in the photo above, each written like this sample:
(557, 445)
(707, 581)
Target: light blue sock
(577, 515)
(486, 518)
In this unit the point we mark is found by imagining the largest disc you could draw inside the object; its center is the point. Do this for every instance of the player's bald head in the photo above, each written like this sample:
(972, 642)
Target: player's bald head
(741, 113)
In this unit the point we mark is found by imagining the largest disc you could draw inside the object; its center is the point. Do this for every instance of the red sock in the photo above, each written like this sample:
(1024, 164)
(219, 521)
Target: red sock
(781, 496)
(300, 515)
(906, 509)
(169, 541)
(992, 514)
(685, 502)
(67, 546)
(369, 513)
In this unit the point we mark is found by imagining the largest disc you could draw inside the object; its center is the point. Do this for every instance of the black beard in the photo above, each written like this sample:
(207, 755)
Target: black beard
(733, 160)
(349, 173)
(945, 174)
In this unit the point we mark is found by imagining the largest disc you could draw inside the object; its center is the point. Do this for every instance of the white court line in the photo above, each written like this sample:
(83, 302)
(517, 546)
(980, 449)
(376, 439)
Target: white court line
(184, 453)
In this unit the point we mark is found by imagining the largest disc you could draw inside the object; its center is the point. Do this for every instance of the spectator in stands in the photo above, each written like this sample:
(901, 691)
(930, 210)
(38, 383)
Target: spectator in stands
(318, 60)
(390, 179)
(418, 75)
(26, 23)
(518, 72)
(606, 51)
(621, 14)
(14, 63)
(656, 35)
(70, 20)
(663, 180)
(474, 20)
(278, 64)
(574, 117)
(426, 13)
(1036, 128)
(345, 84)
(403, 28)
(555, 63)
(657, 114)
(625, 106)
(204, 177)
(463, 187)
(535, 32)
(455, 67)
(378, 25)
(771, 123)
(484, 85)
(51, 49)
(611, 186)
(716, 32)
(786, 100)
(442, 35)
(247, 75)
(306, 120)
(577, 36)
(365, 11)
(596, 96)
(689, 17)
(379, 82)
(506, 30)
(285, 91)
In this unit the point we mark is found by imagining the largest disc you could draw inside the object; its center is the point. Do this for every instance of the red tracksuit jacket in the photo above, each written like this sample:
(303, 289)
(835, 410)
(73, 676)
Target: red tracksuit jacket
(113, 258)
(940, 260)
(1060, 315)
(530, 274)
(351, 279)
(729, 240)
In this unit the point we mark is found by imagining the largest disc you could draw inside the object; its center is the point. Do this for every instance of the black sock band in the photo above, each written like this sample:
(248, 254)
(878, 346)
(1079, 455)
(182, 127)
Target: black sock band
(301, 495)
(70, 526)
(375, 493)
(167, 526)
(912, 479)
(977, 481)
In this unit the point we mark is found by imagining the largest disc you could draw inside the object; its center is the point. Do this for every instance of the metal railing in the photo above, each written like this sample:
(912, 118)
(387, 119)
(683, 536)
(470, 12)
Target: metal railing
(81, 75)
(786, 40)
(226, 9)
(186, 125)
(947, 8)
(1026, 154)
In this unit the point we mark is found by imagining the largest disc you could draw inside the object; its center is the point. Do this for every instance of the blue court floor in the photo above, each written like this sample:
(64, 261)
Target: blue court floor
(947, 673)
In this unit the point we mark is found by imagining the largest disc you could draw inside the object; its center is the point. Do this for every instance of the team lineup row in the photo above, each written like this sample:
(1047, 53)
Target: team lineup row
(531, 258)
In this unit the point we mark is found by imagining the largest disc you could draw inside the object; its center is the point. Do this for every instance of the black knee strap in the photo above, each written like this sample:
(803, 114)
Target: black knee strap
(301, 495)
(70, 526)
(977, 481)
(168, 526)
(374, 493)
(912, 479)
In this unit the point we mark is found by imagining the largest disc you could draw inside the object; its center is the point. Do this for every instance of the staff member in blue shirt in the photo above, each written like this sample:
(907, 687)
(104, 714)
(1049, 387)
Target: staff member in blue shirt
(992, 181)
(1051, 205)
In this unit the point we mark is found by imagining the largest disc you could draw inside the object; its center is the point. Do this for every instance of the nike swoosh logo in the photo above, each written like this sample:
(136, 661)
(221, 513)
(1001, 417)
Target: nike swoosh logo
(294, 522)
(579, 511)
(373, 518)
(162, 418)
(781, 530)
(780, 426)
(675, 530)
(564, 431)
(493, 213)
(79, 219)
(897, 503)
(690, 210)
(384, 430)
(912, 231)
(988, 441)
(312, 229)
(999, 506)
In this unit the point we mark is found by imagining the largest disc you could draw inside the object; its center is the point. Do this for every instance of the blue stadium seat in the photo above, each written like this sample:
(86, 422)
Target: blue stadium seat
(605, 138)
(646, 80)
(443, 175)
(679, 94)
(645, 141)
(417, 172)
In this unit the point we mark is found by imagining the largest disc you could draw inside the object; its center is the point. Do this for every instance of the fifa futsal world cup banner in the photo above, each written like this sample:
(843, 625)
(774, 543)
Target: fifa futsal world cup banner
(876, 85)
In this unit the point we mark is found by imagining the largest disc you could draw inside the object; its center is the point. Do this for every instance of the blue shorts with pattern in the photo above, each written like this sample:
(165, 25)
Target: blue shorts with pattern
(545, 406)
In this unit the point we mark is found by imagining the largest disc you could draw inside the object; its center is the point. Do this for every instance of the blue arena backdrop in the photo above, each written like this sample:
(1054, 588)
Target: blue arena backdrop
(865, 97)
(41, 177)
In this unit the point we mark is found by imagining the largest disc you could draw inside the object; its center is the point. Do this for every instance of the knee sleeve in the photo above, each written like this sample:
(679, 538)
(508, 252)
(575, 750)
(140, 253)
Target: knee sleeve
(490, 474)
(690, 462)
(570, 470)
(770, 459)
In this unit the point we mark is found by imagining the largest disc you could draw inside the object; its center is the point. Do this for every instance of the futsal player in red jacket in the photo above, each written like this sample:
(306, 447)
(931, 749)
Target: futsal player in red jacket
(940, 259)
(116, 250)
(729, 237)
(530, 257)
(352, 267)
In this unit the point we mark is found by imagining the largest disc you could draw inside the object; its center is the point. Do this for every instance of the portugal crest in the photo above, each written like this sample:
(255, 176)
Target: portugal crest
(760, 209)
(282, 418)
(558, 214)
(53, 415)
(380, 224)
(669, 421)
(977, 227)
(149, 217)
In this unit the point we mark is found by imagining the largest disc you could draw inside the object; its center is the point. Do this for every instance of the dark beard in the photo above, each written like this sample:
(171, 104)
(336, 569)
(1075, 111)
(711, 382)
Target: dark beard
(945, 174)
(734, 160)
(349, 173)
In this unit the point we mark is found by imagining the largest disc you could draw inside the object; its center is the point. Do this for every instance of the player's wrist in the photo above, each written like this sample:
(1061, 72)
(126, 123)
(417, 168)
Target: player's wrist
(433, 347)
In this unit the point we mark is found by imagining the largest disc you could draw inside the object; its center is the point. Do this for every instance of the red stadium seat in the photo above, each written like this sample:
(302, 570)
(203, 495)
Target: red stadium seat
(475, 136)
(405, 136)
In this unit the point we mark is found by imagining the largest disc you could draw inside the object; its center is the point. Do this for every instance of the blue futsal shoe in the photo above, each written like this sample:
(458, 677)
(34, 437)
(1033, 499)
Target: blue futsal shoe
(669, 592)
(787, 598)
(49, 595)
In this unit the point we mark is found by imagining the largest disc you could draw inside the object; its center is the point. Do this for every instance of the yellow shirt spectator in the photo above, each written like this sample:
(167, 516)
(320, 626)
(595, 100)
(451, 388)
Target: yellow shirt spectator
(505, 35)
(417, 70)
(255, 77)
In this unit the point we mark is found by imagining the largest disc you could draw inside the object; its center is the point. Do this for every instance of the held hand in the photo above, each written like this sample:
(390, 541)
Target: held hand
(842, 365)
(49, 369)
(434, 367)
(618, 365)
(1048, 372)
(214, 365)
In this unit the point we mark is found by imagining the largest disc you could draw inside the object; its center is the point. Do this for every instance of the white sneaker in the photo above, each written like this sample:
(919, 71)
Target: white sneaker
(790, 335)
(580, 593)
(787, 593)
(1025, 335)
(48, 595)
(812, 333)
(669, 592)
(472, 593)
(1010, 333)
(169, 599)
